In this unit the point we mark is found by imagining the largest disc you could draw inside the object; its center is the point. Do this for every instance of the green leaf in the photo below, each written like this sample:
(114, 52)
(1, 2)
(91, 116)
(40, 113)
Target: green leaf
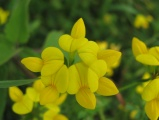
(124, 8)
(10, 83)
(17, 28)
(6, 52)
(3, 93)
(52, 39)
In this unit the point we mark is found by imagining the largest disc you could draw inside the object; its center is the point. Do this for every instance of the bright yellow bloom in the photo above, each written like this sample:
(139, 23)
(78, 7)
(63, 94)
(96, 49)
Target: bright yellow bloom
(143, 54)
(34, 92)
(3, 16)
(90, 52)
(23, 104)
(142, 21)
(151, 96)
(55, 84)
(83, 82)
(103, 45)
(71, 43)
(52, 60)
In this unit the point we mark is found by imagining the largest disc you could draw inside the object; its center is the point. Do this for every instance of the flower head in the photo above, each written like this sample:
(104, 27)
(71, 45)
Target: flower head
(71, 43)
(151, 96)
(143, 54)
(52, 60)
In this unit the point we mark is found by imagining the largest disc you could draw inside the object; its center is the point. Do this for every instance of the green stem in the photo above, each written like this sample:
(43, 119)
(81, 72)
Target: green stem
(101, 114)
(71, 58)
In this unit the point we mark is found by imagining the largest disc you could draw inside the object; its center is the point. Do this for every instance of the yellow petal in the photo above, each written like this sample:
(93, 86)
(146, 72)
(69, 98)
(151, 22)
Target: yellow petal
(106, 87)
(52, 53)
(99, 67)
(88, 52)
(147, 59)
(92, 80)
(152, 109)
(110, 56)
(78, 30)
(38, 85)
(50, 114)
(138, 47)
(155, 52)
(48, 95)
(32, 94)
(15, 94)
(47, 80)
(24, 106)
(65, 42)
(33, 63)
(151, 90)
(78, 43)
(61, 79)
(86, 98)
(74, 80)
(51, 67)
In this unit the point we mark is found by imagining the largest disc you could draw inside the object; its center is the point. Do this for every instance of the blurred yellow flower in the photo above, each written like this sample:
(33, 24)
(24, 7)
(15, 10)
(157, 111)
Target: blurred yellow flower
(151, 96)
(133, 114)
(3, 16)
(23, 104)
(142, 21)
(143, 54)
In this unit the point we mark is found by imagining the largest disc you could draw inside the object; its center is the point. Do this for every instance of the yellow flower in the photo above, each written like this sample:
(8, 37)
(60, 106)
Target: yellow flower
(143, 54)
(71, 43)
(34, 92)
(23, 104)
(142, 21)
(3, 16)
(55, 84)
(84, 81)
(52, 60)
(90, 52)
(151, 96)
(80, 86)
(103, 45)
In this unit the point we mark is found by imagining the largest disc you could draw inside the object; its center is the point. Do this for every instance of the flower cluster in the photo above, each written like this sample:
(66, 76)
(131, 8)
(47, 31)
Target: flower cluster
(150, 93)
(80, 72)
(26, 103)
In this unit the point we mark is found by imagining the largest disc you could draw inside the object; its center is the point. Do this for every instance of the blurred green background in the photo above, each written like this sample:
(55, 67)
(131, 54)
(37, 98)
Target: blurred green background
(32, 25)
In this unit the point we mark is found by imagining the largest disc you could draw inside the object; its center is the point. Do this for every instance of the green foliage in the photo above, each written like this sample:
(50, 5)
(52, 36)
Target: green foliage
(17, 29)
(37, 24)
(10, 83)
